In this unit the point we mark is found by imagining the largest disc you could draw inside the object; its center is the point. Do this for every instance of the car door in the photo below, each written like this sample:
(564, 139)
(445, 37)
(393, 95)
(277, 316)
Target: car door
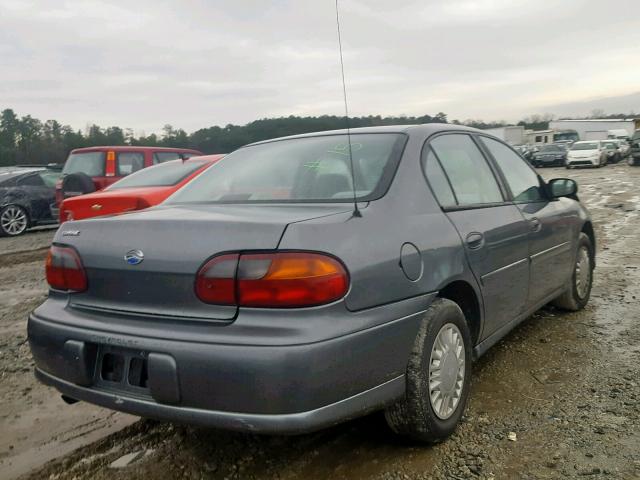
(492, 229)
(38, 196)
(550, 222)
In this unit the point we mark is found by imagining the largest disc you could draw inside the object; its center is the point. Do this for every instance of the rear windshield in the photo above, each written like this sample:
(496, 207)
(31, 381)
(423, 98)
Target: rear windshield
(584, 146)
(309, 169)
(89, 163)
(162, 175)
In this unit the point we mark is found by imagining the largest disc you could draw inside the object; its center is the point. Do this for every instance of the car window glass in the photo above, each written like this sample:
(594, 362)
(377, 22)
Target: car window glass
(89, 163)
(161, 157)
(49, 178)
(306, 169)
(129, 162)
(437, 179)
(32, 180)
(471, 177)
(523, 181)
(159, 176)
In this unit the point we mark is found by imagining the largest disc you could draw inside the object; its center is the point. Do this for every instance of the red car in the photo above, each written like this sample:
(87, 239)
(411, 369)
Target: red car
(139, 190)
(94, 168)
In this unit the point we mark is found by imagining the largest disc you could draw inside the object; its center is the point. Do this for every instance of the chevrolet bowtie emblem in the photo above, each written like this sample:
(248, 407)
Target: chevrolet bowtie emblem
(96, 206)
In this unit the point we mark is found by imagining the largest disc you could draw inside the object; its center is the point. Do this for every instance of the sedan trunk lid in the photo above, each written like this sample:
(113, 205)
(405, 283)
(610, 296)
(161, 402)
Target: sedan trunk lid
(174, 242)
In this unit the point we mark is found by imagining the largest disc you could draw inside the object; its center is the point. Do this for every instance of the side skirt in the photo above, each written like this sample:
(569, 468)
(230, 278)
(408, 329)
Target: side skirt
(495, 337)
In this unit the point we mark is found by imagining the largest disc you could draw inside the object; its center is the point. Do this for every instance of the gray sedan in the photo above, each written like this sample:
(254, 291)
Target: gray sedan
(261, 297)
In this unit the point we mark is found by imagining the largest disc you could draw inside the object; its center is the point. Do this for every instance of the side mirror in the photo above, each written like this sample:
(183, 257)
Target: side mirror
(562, 187)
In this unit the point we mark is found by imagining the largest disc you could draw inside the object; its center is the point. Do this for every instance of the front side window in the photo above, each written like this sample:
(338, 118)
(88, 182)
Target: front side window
(129, 162)
(306, 169)
(523, 181)
(470, 176)
(49, 177)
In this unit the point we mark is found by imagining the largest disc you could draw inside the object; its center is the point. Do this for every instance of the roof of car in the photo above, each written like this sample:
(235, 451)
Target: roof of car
(120, 148)
(424, 129)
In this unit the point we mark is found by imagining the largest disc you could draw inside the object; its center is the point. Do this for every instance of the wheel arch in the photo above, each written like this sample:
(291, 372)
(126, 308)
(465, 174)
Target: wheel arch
(465, 296)
(587, 228)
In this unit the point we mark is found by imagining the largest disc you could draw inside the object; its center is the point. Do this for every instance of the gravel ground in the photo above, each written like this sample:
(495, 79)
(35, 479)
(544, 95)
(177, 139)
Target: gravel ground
(558, 398)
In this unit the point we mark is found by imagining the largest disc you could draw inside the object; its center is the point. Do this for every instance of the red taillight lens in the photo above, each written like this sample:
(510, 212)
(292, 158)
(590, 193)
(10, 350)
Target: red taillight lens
(215, 282)
(272, 280)
(64, 270)
(110, 168)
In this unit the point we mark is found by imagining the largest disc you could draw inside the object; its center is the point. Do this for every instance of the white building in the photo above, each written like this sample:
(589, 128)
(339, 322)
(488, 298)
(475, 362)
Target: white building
(596, 129)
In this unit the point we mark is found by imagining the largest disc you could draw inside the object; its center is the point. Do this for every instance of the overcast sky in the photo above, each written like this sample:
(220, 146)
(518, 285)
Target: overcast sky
(142, 64)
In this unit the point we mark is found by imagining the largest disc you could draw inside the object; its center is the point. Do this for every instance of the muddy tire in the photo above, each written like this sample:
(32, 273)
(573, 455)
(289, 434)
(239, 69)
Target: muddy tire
(437, 377)
(578, 291)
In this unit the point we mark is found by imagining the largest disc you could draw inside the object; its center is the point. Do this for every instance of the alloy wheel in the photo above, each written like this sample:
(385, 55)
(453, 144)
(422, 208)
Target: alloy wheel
(13, 220)
(446, 371)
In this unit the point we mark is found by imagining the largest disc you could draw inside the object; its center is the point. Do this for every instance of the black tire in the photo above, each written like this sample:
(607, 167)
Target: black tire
(76, 184)
(14, 221)
(413, 416)
(571, 299)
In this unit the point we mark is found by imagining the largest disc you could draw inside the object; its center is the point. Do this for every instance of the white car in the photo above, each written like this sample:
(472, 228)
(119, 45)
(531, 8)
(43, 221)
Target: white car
(587, 154)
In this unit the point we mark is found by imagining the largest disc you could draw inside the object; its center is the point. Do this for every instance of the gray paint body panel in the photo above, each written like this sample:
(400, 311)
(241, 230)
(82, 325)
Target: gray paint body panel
(296, 369)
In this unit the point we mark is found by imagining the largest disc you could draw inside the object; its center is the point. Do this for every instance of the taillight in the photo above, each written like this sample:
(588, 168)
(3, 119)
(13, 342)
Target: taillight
(272, 280)
(64, 270)
(110, 168)
(215, 282)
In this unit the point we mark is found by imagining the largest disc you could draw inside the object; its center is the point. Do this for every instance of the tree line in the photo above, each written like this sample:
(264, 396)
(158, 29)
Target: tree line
(27, 140)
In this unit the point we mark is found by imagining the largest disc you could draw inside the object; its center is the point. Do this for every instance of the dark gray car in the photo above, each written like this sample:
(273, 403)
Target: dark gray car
(550, 155)
(258, 298)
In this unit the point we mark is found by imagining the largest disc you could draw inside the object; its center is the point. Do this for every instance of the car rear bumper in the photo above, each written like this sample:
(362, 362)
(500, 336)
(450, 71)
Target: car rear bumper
(284, 389)
(283, 424)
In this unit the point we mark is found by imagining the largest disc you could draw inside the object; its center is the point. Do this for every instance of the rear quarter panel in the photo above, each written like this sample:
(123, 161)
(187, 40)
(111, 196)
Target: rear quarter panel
(370, 245)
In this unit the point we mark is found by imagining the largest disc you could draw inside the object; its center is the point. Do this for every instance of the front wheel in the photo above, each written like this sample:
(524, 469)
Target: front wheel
(437, 377)
(13, 221)
(578, 291)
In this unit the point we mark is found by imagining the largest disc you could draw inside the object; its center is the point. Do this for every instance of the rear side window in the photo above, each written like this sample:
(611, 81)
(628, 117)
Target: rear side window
(32, 180)
(89, 163)
(161, 157)
(522, 180)
(437, 179)
(129, 162)
(468, 172)
(163, 175)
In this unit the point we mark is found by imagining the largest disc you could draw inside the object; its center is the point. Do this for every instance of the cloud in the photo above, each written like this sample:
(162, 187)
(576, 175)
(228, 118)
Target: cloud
(196, 63)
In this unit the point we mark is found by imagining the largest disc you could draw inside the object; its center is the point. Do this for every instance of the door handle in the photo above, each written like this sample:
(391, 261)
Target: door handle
(474, 240)
(536, 225)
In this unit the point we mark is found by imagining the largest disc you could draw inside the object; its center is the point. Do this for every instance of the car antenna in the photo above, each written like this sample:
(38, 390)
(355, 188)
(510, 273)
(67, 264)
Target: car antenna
(356, 211)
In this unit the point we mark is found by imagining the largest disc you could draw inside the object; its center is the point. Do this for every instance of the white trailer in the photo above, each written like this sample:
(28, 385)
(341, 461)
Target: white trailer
(513, 135)
(592, 128)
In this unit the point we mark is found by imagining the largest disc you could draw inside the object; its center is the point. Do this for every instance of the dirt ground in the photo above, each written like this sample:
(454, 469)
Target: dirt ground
(567, 386)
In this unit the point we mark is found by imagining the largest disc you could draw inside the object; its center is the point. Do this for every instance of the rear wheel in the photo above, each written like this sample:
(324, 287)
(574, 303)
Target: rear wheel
(13, 221)
(577, 294)
(437, 377)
